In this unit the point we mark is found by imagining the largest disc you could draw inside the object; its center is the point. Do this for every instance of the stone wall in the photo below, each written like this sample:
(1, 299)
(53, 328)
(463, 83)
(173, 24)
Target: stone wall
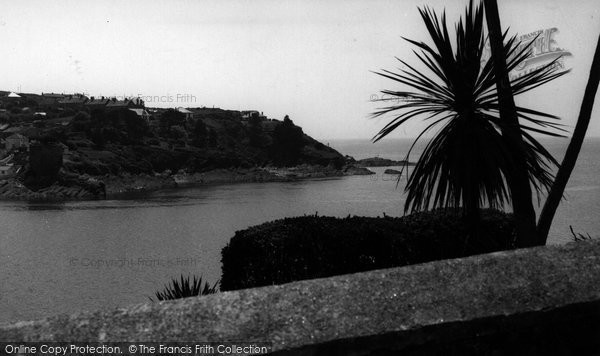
(533, 301)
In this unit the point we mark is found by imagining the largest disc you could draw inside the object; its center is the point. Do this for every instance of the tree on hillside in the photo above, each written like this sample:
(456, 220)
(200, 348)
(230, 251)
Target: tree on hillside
(96, 134)
(171, 117)
(255, 130)
(467, 162)
(134, 126)
(288, 141)
(212, 138)
(81, 122)
(101, 130)
(200, 133)
(99, 118)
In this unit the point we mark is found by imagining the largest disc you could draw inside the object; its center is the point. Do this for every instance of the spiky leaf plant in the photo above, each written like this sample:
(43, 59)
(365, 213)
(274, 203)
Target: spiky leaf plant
(578, 236)
(184, 288)
(467, 161)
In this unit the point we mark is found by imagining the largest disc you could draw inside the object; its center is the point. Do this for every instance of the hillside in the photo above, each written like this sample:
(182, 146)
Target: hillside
(90, 154)
(213, 139)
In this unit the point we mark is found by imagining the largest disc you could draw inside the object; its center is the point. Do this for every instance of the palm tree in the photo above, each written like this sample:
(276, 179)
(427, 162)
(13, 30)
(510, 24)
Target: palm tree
(468, 162)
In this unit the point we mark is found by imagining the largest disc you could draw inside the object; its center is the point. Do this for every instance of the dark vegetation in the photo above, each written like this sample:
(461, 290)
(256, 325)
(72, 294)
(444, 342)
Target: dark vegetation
(213, 139)
(288, 141)
(45, 162)
(309, 247)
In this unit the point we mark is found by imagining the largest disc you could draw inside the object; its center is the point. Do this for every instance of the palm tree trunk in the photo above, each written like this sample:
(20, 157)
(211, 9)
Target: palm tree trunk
(518, 180)
(568, 163)
(473, 220)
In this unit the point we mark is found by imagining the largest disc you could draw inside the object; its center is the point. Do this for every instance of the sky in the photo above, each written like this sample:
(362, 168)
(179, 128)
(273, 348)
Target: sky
(311, 60)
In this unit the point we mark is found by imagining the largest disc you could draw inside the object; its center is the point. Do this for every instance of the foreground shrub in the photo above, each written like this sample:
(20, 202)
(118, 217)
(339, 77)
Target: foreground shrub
(185, 288)
(309, 247)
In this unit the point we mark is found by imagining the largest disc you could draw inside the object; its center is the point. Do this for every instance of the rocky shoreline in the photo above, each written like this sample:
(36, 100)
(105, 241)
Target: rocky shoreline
(85, 187)
(382, 162)
(267, 174)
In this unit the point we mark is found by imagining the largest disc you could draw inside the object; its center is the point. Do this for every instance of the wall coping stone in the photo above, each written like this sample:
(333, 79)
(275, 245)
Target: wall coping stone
(390, 309)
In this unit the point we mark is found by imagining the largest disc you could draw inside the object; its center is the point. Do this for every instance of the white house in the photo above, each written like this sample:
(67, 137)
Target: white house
(142, 113)
(188, 114)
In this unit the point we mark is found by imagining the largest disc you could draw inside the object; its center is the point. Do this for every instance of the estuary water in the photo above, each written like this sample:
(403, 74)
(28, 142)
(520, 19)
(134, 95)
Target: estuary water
(84, 255)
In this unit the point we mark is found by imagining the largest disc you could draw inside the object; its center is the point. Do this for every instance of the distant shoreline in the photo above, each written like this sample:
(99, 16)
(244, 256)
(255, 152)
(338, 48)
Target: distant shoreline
(382, 162)
(113, 186)
(88, 187)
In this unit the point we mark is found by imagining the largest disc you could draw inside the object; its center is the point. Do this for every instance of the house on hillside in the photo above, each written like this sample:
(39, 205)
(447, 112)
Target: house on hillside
(115, 104)
(75, 101)
(138, 103)
(188, 114)
(143, 114)
(97, 103)
(49, 101)
(12, 98)
(53, 96)
(246, 115)
(16, 141)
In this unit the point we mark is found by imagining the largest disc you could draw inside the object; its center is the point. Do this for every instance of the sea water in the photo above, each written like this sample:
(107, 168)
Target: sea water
(84, 255)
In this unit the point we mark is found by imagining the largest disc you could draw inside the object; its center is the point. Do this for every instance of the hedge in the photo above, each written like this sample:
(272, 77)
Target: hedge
(310, 247)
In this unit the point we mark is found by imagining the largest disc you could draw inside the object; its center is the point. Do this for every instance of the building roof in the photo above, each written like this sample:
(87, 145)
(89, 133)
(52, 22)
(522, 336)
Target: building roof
(126, 102)
(184, 111)
(47, 100)
(140, 112)
(74, 99)
(13, 95)
(137, 101)
(114, 103)
(53, 95)
(96, 101)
